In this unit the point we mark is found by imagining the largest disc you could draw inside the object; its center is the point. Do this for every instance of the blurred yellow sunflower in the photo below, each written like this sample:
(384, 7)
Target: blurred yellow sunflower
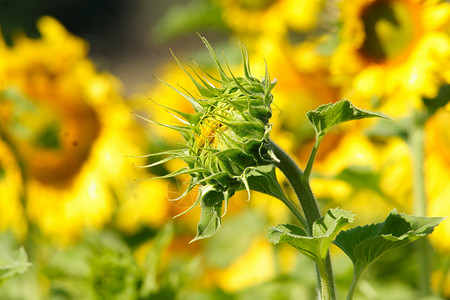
(437, 174)
(71, 130)
(247, 269)
(357, 173)
(393, 45)
(11, 193)
(269, 17)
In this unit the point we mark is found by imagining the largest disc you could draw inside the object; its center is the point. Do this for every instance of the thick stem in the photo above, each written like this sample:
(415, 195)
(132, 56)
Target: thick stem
(417, 146)
(327, 290)
(301, 187)
(303, 191)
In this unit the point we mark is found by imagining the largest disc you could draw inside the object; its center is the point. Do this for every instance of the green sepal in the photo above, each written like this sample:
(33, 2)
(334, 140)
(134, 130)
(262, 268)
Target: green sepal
(263, 179)
(210, 217)
(365, 244)
(193, 119)
(245, 126)
(329, 115)
(12, 264)
(324, 231)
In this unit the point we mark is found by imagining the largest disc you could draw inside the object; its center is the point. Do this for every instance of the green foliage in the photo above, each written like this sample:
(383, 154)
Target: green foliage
(162, 240)
(12, 264)
(264, 180)
(329, 115)
(366, 244)
(101, 267)
(323, 232)
(211, 207)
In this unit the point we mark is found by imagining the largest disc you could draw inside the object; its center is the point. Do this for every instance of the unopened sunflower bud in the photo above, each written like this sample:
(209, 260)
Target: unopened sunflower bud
(226, 139)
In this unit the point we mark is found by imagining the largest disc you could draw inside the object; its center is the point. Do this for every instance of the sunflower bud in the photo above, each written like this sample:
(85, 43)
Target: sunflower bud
(226, 139)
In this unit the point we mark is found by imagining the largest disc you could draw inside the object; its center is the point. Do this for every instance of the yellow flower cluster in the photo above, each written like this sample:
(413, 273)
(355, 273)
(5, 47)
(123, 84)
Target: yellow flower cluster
(65, 133)
(65, 129)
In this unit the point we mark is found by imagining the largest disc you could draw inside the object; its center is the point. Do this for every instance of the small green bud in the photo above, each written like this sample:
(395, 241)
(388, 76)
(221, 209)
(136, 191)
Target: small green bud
(226, 137)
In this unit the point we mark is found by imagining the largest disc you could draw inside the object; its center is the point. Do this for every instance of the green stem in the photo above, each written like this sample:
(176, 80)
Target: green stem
(356, 276)
(327, 291)
(443, 281)
(301, 188)
(417, 146)
(312, 157)
(295, 212)
(308, 202)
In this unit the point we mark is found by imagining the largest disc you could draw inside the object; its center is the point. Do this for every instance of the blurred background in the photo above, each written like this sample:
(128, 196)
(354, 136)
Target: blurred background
(79, 218)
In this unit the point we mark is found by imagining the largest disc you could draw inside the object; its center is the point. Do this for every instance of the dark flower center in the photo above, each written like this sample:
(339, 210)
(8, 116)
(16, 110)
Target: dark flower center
(389, 28)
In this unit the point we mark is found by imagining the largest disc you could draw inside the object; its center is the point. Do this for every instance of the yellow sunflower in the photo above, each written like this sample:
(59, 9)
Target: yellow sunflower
(437, 175)
(251, 16)
(71, 130)
(11, 192)
(247, 269)
(269, 17)
(366, 177)
(393, 45)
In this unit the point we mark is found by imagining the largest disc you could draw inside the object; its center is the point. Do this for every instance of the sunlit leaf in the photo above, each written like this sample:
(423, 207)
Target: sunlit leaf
(329, 115)
(366, 244)
(210, 216)
(324, 231)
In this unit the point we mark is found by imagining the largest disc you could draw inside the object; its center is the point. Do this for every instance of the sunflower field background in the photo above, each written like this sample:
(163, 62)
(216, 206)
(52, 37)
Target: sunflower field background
(79, 218)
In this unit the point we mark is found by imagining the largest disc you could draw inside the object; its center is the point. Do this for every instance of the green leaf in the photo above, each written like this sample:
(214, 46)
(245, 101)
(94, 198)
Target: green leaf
(366, 244)
(210, 216)
(263, 179)
(324, 230)
(329, 115)
(12, 264)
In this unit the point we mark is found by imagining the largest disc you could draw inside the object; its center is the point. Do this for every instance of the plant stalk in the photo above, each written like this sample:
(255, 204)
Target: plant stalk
(356, 276)
(308, 202)
(312, 157)
(417, 146)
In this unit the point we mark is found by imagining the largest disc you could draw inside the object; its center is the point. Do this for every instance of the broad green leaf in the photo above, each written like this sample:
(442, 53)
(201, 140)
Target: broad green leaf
(211, 207)
(329, 115)
(365, 244)
(12, 264)
(324, 231)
